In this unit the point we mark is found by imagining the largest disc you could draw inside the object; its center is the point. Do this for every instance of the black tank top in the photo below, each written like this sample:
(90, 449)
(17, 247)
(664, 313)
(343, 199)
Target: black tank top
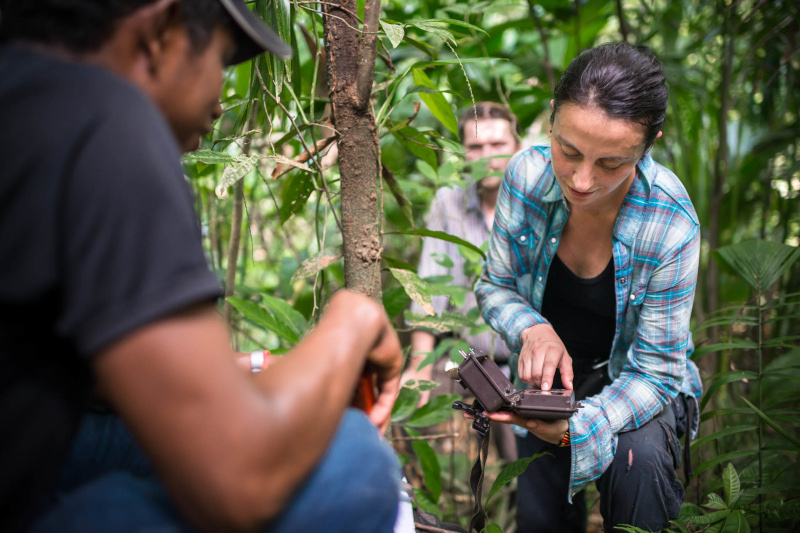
(582, 312)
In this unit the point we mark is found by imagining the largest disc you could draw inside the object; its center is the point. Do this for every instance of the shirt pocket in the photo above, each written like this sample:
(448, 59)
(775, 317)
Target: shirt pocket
(522, 241)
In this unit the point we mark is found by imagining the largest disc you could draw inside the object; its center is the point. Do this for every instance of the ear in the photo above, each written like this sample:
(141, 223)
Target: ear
(552, 105)
(660, 133)
(152, 24)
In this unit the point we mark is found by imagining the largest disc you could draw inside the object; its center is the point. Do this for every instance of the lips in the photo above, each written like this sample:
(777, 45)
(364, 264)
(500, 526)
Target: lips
(580, 195)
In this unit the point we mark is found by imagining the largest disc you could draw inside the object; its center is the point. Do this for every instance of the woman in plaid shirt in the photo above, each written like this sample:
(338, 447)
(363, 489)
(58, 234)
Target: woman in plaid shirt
(591, 270)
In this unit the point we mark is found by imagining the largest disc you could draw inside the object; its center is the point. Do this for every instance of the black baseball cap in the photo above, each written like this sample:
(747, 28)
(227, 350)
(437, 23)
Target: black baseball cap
(255, 37)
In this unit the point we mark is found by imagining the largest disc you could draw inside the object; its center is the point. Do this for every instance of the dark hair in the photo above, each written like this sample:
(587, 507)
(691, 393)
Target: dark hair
(85, 25)
(489, 110)
(624, 81)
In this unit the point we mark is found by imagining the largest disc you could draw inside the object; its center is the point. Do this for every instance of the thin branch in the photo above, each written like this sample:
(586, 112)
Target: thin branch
(367, 50)
(348, 11)
(548, 67)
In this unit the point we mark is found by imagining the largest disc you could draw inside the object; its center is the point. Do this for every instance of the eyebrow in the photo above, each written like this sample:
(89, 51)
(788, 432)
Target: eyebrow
(615, 159)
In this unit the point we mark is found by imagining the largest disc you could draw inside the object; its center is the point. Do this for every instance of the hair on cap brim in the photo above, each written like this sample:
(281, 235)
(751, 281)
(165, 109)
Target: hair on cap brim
(255, 37)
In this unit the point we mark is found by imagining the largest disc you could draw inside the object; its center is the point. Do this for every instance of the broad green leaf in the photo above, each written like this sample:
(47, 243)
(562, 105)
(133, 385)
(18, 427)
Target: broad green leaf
(721, 459)
(295, 195)
(394, 32)
(715, 502)
(493, 528)
(288, 314)
(416, 143)
(447, 321)
(417, 290)
(405, 404)
(394, 301)
(736, 523)
(261, 317)
(435, 411)
(442, 236)
(436, 102)
(630, 529)
(312, 265)
(241, 167)
(208, 157)
(510, 472)
(758, 262)
(723, 433)
(730, 478)
(442, 259)
(437, 30)
(431, 470)
(393, 262)
(732, 344)
(425, 501)
(774, 425)
(710, 518)
(727, 377)
(453, 22)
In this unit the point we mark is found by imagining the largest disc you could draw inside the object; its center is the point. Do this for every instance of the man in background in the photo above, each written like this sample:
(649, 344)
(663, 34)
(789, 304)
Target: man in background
(104, 289)
(468, 214)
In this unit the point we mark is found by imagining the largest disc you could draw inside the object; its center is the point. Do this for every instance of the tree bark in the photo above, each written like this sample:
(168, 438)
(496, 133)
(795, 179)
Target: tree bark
(350, 57)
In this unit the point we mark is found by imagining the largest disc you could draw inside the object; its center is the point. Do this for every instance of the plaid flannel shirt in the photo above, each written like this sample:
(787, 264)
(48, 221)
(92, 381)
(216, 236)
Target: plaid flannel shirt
(656, 245)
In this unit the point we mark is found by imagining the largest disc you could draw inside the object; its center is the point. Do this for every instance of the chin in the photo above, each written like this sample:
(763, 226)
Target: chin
(491, 183)
(191, 144)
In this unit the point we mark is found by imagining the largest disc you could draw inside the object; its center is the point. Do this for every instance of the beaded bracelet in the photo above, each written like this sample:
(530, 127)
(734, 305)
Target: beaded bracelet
(564, 440)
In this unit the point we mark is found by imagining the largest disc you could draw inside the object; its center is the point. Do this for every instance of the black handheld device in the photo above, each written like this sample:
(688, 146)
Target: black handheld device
(494, 392)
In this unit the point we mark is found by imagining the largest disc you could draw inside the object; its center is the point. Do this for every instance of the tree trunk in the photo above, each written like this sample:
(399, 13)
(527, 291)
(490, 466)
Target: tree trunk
(351, 67)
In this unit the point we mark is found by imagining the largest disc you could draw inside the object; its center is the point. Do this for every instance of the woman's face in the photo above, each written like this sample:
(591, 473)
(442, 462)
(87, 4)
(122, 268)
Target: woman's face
(594, 156)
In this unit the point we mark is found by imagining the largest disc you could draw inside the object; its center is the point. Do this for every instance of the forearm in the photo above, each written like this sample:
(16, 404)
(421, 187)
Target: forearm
(422, 343)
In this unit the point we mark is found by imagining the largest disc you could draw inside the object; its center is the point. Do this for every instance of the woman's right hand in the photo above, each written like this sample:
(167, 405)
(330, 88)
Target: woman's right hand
(542, 353)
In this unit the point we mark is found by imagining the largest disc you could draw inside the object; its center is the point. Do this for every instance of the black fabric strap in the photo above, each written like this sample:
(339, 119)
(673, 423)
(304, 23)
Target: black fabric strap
(478, 520)
(688, 471)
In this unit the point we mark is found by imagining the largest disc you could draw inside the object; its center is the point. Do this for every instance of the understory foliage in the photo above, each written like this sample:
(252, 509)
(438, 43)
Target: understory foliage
(267, 189)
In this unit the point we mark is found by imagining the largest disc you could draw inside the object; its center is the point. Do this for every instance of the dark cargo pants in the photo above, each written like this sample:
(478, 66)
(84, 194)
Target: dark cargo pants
(644, 492)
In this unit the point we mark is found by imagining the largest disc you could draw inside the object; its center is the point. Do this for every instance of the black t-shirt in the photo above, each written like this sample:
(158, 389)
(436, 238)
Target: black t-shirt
(98, 237)
(582, 312)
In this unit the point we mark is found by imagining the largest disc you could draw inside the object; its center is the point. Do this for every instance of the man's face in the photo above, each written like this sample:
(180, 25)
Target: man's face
(189, 84)
(494, 138)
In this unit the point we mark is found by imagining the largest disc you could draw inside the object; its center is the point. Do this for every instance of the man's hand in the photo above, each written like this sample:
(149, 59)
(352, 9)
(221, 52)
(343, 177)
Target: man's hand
(542, 352)
(548, 430)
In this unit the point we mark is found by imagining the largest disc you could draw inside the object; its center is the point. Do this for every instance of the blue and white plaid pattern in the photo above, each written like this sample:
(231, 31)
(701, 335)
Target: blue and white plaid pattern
(656, 246)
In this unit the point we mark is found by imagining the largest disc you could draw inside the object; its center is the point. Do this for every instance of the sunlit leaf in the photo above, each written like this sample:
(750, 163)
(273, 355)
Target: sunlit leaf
(436, 102)
(758, 262)
(405, 404)
(394, 32)
(208, 157)
(241, 167)
(312, 265)
(437, 410)
(415, 287)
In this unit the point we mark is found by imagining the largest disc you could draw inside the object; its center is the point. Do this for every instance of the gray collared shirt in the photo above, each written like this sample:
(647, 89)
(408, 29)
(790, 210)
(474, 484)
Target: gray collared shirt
(457, 212)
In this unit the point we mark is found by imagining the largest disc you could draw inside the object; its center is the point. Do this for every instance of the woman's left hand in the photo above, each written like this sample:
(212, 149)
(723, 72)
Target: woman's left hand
(548, 430)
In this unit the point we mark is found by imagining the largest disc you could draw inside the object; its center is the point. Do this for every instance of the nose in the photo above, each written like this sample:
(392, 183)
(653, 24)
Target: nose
(216, 112)
(582, 179)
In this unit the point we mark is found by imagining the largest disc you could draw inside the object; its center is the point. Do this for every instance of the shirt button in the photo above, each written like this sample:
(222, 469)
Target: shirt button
(553, 240)
(622, 281)
(633, 297)
(522, 239)
(540, 278)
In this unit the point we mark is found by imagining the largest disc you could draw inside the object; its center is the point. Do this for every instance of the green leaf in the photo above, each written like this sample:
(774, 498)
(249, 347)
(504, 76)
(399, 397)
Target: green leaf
(312, 265)
(454, 22)
(723, 433)
(394, 32)
(239, 168)
(421, 384)
(208, 157)
(261, 317)
(447, 321)
(710, 518)
(721, 459)
(425, 501)
(733, 487)
(493, 528)
(725, 378)
(295, 195)
(715, 502)
(431, 470)
(758, 262)
(405, 404)
(442, 236)
(436, 102)
(510, 472)
(288, 314)
(736, 523)
(774, 425)
(416, 143)
(435, 411)
(395, 300)
(415, 287)
(442, 259)
(393, 262)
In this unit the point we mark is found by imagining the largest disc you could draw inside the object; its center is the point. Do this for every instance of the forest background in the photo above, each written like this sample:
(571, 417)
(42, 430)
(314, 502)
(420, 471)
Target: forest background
(320, 172)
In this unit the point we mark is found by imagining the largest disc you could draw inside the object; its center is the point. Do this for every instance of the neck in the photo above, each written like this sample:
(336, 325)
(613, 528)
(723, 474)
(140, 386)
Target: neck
(488, 201)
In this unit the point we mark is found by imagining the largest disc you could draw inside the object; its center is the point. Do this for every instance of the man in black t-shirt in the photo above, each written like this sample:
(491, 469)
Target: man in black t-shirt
(104, 287)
